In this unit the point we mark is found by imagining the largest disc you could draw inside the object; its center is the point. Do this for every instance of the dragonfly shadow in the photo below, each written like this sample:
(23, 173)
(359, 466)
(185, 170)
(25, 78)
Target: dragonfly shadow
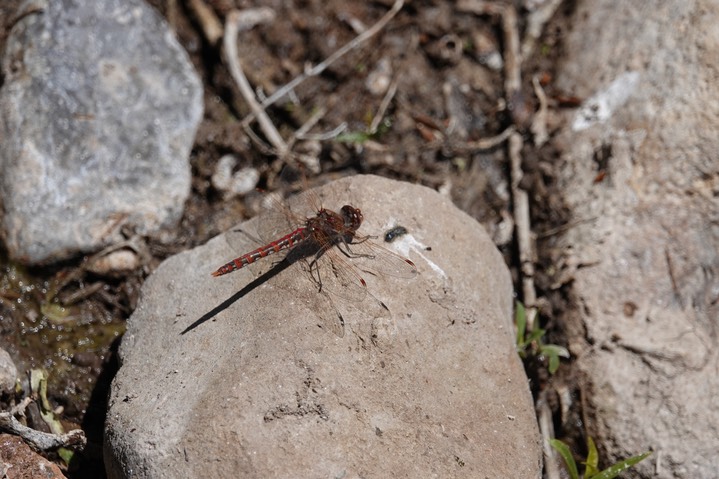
(298, 253)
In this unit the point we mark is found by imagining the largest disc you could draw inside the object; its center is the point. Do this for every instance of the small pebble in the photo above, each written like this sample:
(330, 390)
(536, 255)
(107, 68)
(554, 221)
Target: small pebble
(379, 79)
(234, 184)
(120, 261)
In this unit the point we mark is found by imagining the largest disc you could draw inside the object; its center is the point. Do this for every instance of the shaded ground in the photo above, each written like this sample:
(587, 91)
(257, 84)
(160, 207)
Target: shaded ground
(449, 94)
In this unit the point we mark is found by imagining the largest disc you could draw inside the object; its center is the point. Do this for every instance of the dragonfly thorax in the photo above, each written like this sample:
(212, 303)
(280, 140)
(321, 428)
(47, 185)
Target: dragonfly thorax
(329, 227)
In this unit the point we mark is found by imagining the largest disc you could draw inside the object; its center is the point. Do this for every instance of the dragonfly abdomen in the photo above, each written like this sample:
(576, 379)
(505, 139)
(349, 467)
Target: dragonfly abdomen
(287, 241)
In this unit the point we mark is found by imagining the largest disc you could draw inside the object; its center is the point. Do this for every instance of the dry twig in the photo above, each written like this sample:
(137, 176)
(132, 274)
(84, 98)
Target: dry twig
(209, 23)
(521, 218)
(512, 92)
(320, 67)
(241, 21)
(512, 55)
(546, 428)
(484, 143)
(42, 440)
(391, 91)
(302, 132)
(539, 121)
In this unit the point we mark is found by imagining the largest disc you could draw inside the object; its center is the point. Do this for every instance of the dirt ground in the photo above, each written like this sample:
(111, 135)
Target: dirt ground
(434, 68)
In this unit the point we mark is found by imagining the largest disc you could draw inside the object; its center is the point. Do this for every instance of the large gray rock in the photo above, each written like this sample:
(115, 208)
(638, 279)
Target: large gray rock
(98, 112)
(647, 264)
(429, 386)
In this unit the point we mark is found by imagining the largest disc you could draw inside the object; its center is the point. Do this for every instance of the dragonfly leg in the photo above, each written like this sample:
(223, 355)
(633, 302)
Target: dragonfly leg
(357, 240)
(314, 267)
(344, 247)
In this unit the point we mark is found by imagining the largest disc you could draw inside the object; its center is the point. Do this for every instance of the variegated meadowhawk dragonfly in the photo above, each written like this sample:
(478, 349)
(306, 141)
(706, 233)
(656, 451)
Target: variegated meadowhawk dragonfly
(329, 249)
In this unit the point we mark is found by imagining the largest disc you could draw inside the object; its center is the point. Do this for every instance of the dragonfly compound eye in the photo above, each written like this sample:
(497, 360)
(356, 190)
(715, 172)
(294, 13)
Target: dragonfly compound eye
(353, 216)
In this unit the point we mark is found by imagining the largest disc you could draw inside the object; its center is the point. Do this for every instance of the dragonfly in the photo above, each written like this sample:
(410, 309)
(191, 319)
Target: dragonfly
(332, 252)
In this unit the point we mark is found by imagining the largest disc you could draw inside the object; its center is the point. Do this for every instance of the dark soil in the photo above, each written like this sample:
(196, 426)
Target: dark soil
(446, 98)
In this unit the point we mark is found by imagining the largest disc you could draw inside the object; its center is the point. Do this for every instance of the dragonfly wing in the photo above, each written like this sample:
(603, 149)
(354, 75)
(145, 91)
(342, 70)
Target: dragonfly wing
(333, 274)
(321, 303)
(331, 317)
(372, 258)
(275, 219)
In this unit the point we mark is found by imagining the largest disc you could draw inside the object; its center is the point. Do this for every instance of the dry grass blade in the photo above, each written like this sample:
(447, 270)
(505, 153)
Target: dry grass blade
(320, 67)
(240, 21)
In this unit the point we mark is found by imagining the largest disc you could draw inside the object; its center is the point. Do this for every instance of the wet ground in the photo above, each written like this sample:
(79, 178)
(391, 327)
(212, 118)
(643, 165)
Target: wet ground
(423, 101)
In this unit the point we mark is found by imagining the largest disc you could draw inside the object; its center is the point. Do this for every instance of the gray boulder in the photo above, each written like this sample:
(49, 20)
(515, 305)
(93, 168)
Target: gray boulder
(98, 113)
(424, 382)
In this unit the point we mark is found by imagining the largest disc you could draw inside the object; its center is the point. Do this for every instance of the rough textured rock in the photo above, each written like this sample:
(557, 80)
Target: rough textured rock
(429, 386)
(18, 460)
(8, 372)
(647, 264)
(97, 96)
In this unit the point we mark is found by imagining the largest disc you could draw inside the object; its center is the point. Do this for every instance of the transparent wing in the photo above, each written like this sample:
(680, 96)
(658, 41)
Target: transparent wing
(341, 269)
(370, 257)
(333, 274)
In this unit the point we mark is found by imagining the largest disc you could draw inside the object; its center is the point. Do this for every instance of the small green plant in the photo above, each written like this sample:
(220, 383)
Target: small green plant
(38, 388)
(591, 464)
(360, 137)
(530, 339)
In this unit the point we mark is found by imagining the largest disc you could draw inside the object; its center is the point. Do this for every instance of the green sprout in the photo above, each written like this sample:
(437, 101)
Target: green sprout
(360, 137)
(38, 386)
(530, 339)
(591, 464)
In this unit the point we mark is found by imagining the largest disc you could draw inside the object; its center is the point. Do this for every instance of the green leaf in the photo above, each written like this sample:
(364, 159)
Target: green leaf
(553, 363)
(520, 318)
(358, 137)
(592, 462)
(66, 454)
(536, 335)
(56, 313)
(613, 471)
(554, 350)
(566, 454)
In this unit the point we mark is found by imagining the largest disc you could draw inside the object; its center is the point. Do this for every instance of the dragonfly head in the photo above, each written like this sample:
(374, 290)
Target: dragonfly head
(352, 217)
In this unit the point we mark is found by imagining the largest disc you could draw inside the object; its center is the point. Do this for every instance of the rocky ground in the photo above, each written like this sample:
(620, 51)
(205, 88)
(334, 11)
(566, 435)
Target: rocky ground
(482, 104)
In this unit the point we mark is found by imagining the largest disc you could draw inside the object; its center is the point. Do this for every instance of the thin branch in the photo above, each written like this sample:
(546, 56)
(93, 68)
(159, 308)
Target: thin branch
(521, 218)
(512, 93)
(391, 91)
(484, 143)
(546, 428)
(209, 23)
(301, 132)
(512, 55)
(240, 21)
(328, 135)
(21, 406)
(42, 440)
(319, 68)
(539, 122)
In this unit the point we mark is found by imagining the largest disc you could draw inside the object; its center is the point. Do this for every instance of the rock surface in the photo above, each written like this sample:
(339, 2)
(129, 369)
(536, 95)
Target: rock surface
(8, 372)
(97, 96)
(428, 386)
(18, 460)
(646, 273)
